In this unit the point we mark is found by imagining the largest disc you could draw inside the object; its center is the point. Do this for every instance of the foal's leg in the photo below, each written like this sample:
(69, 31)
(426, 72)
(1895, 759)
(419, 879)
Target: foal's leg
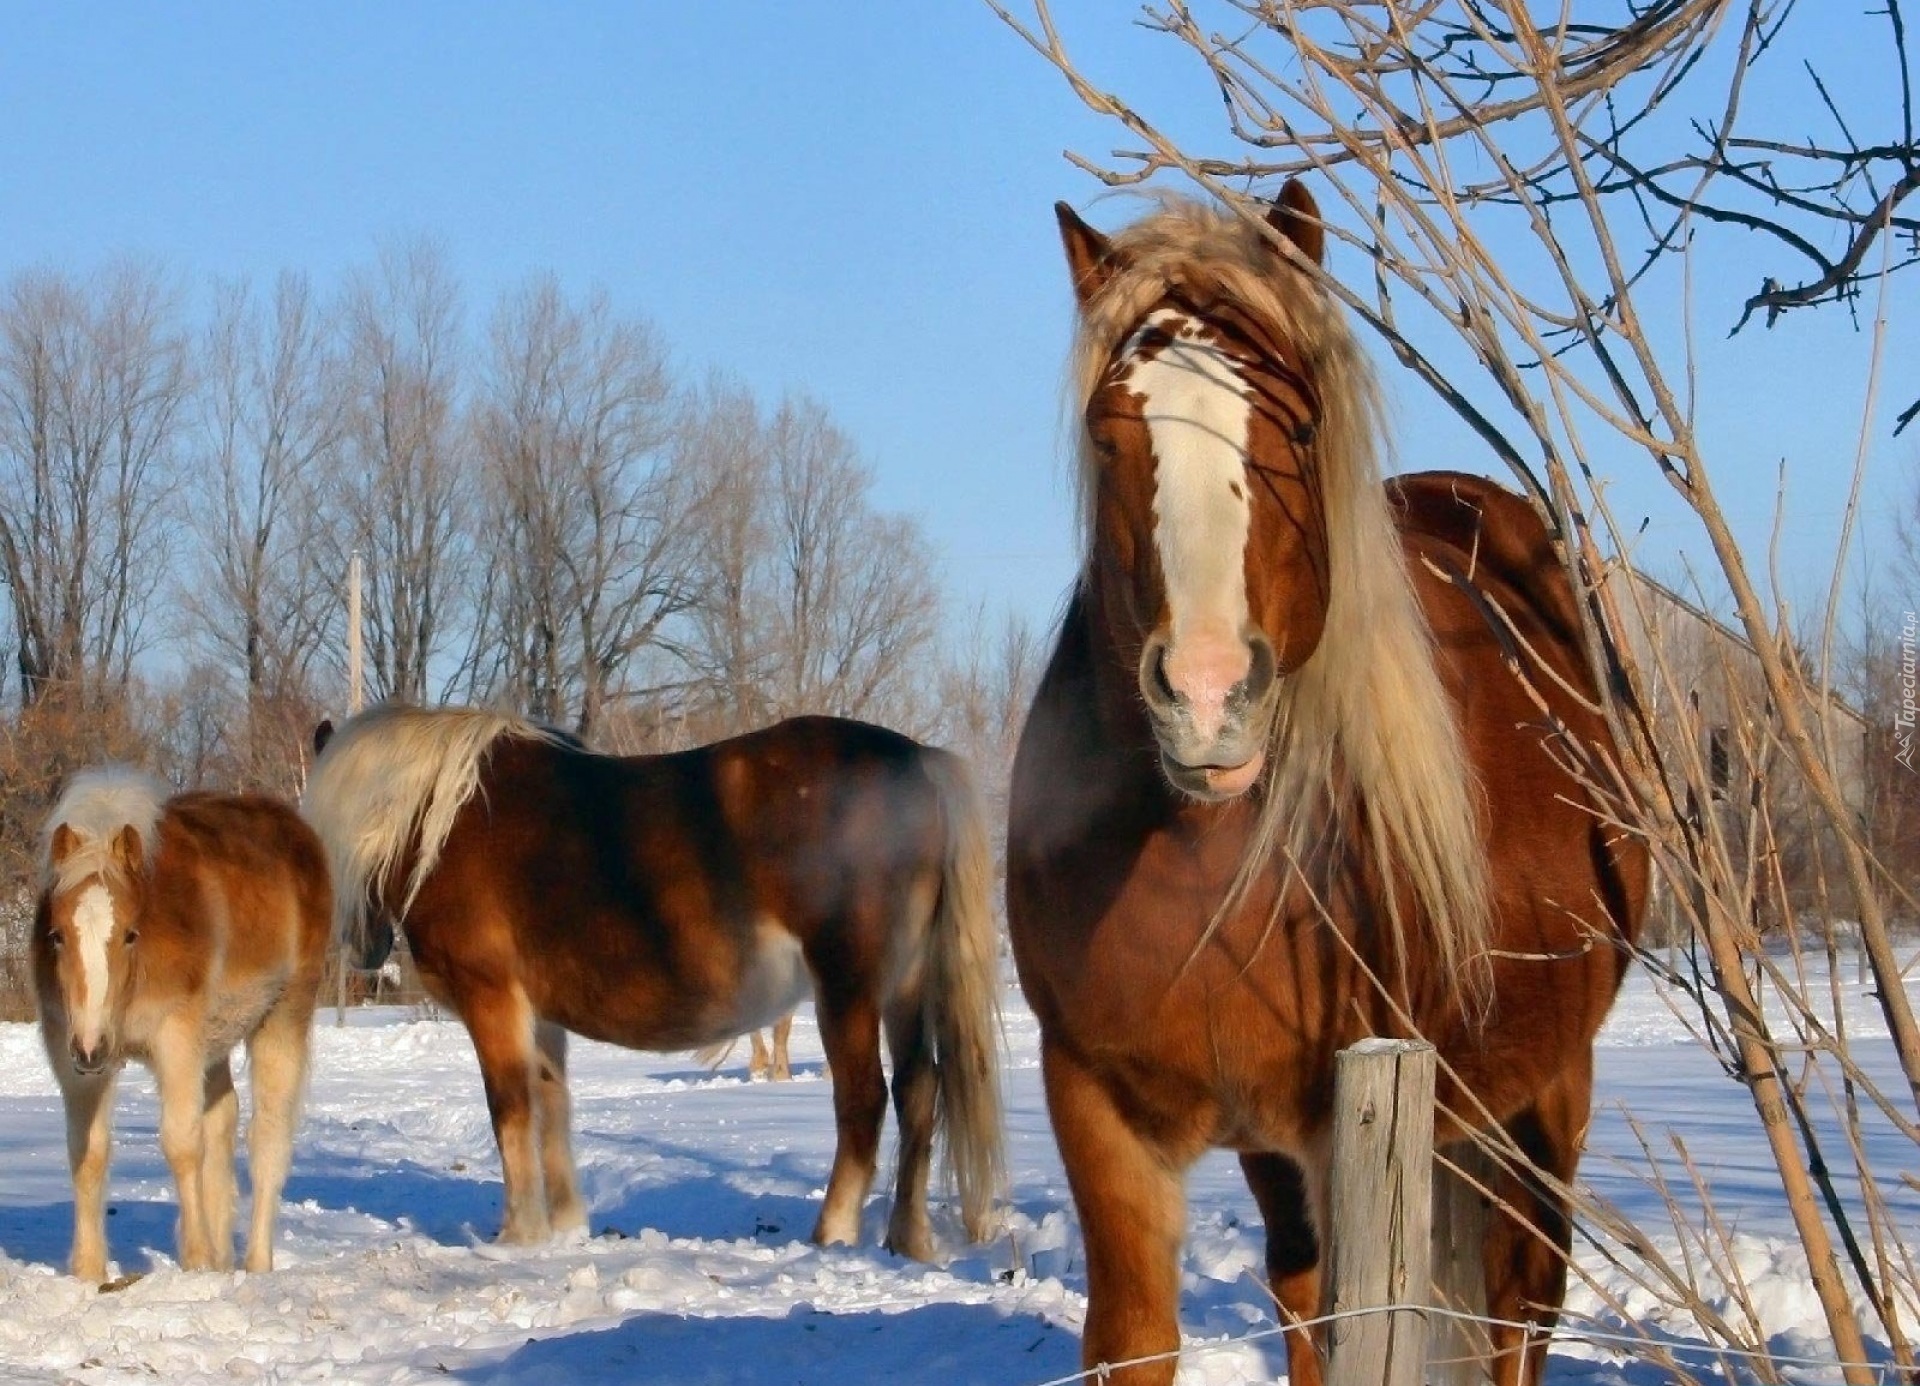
(781, 1070)
(1293, 1254)
(277, 1055)
(565, 1212)
(220, 1120)
(914, 1105)
(502, 1025)
(89, 1104)
(760, 1062)
(850, 1030)
(1133, 1214)
(1527, 1266)
(179, 1071)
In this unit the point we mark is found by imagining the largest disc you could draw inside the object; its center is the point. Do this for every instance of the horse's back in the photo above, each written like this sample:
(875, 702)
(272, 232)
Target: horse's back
(629, 896)
(1498, 543)
(1508, 636)
(250, 868)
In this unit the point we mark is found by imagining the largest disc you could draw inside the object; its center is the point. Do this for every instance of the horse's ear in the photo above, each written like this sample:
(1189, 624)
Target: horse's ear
(1090, 257)
(129, 852)
(62, 844)
(322, 734)
(1296, 216)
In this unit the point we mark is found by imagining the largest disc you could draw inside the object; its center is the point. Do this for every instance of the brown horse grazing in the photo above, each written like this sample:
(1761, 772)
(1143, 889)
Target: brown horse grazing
(676, 901)
(1302, 769)
(169, 930)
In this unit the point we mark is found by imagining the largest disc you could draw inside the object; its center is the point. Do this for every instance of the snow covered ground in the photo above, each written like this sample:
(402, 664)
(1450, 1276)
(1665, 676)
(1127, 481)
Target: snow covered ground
(703, 1188)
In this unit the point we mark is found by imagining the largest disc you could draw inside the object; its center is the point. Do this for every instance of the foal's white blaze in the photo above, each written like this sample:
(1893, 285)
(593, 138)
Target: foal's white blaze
(93, 929)
(1198, 414)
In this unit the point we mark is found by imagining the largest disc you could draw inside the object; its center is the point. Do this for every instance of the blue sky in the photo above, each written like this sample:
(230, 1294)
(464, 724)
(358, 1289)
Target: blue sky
(848, 199)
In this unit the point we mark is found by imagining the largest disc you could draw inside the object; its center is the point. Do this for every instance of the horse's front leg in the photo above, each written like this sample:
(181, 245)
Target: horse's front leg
(1293, 1253)
(1132, 1203)
(179, 1071)
(502, 1026)
(89, 1104)
(1526, 1266)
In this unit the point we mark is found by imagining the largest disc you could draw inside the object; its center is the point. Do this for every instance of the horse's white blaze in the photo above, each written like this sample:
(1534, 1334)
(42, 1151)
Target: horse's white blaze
(93, 929)
(1196, 408)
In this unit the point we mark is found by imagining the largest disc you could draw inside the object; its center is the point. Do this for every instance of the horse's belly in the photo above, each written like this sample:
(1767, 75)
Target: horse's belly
(236, 1012)
(773, 979)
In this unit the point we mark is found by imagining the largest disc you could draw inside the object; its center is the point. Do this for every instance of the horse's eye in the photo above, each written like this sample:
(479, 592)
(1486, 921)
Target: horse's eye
(55, 940)
(133, 937)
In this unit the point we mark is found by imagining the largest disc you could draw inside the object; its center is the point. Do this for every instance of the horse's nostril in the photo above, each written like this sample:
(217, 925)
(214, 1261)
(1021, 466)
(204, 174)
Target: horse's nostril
(1263, 667)
(1153, 676)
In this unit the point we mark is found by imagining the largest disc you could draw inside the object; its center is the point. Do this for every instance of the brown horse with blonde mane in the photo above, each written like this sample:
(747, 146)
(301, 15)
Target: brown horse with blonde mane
(677, 901)
(1315, 758)
(168, 930)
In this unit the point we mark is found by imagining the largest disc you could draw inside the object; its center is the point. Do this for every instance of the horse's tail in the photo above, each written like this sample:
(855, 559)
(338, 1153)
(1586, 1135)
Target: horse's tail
(963, 998)
(393, 778)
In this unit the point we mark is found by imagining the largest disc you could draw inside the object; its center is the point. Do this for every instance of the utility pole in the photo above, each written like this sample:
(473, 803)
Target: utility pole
(355, 698)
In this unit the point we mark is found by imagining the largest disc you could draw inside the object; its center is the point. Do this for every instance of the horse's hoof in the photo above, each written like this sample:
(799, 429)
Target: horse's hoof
(916, 1245)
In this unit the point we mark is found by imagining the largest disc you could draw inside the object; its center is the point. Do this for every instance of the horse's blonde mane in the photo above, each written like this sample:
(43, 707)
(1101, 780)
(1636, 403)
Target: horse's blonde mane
(393, 776)
(96, 804)
(1365, 737)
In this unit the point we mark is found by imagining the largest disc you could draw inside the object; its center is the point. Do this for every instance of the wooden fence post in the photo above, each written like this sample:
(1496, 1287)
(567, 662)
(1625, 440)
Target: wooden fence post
(1460, 1212)
(1379, 1249)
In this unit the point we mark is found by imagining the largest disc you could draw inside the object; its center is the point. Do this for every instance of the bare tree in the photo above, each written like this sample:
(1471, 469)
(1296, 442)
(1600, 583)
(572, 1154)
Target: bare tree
(406, 484)
(813, 601)
(729, 645)
(93, 376)
(270, 435)
(853, 598)
(1598, 148)
(986, 684)
(574, 428)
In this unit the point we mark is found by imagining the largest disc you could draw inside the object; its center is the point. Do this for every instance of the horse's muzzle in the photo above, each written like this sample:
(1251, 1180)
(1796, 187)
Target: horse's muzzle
(87, 1062)
(1212, 715)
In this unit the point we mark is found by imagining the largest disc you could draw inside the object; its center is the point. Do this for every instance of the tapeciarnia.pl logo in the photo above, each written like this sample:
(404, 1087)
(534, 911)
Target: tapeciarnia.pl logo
(1903, 720)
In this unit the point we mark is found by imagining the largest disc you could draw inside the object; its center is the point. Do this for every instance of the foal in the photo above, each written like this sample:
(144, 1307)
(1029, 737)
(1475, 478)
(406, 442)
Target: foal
(167, 931)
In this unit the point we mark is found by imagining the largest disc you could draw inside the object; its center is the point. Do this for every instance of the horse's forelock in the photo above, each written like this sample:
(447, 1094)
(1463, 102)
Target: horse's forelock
(97, 805)
(1364, 725)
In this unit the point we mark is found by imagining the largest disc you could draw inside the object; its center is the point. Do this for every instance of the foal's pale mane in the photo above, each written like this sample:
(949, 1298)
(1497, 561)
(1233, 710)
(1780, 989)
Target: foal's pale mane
(1365, 739)
(96, 804)
(391, 777)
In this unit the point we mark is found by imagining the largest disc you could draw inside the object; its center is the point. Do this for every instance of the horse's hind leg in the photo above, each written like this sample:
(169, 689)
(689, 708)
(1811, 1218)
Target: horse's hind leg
(1526, 1266)
(220, 1121)
(277, 1058)
(89, 1104)
(914, 1096)
(502, 1026)
(565, 1212)
(1293, 1254)
(850, 1031)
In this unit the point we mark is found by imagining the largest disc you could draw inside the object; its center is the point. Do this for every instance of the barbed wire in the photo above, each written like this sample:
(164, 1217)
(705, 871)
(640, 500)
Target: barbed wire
(1103, 1371)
